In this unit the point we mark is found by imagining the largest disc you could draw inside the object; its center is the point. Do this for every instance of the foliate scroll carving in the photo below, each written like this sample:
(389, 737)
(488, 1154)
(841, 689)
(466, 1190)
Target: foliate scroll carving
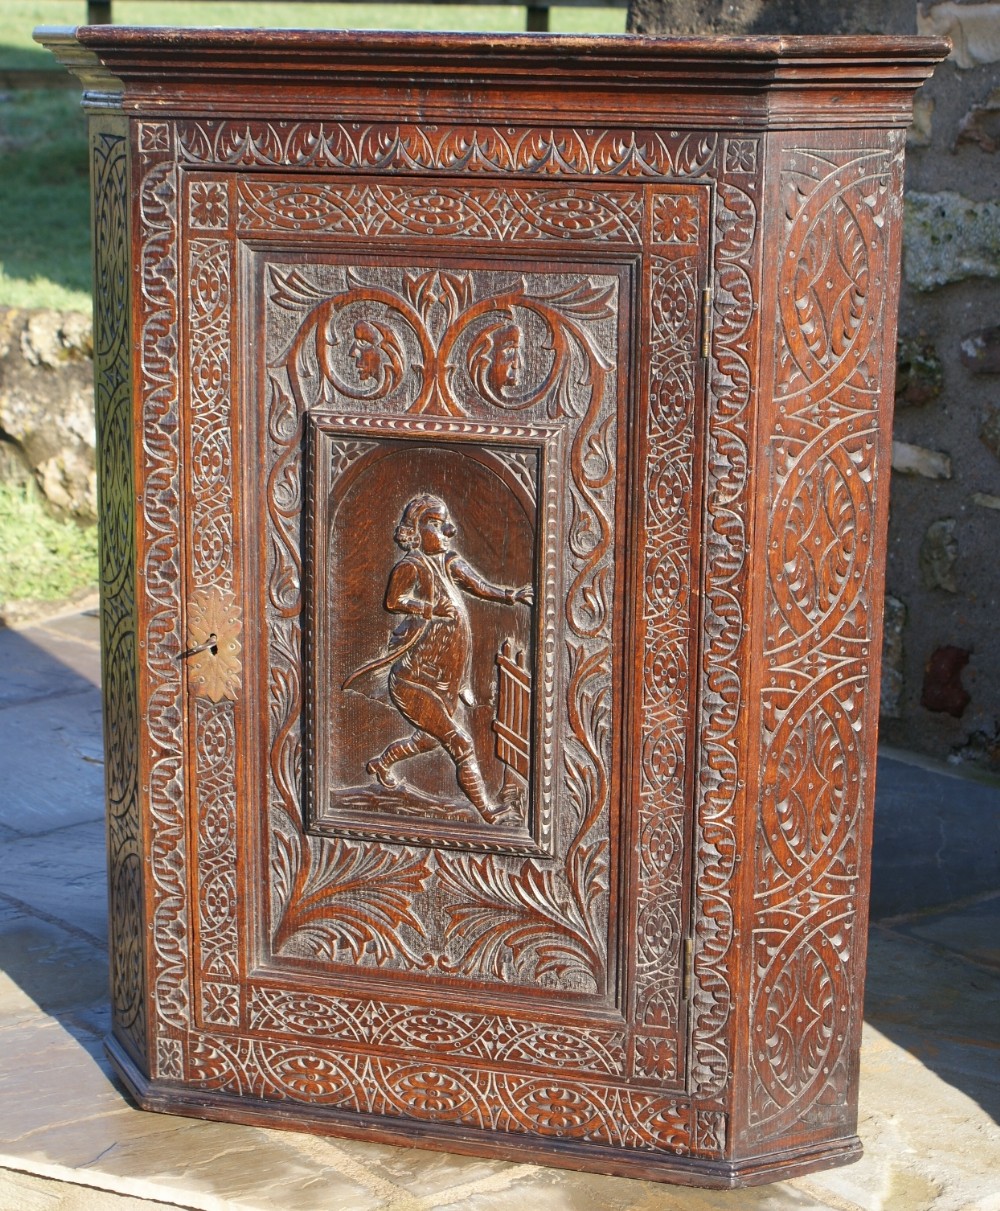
(161, 580)
(823, 456)
(311, 146)
(390, 147)
(465, 152)
(487, 346)
(723, 657)
(214, 616)
(211, 473)
(110, 161)
(217, 863)
(429, 342)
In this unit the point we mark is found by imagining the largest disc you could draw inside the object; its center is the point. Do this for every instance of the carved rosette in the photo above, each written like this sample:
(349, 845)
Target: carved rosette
(819, 691)
(115, 453)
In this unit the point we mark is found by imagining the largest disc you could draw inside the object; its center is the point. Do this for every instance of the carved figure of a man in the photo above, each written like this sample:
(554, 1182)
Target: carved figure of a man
(430, 650)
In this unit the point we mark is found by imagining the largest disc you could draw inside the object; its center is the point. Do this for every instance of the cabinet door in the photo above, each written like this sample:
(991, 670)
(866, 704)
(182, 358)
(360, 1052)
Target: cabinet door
(445, 472)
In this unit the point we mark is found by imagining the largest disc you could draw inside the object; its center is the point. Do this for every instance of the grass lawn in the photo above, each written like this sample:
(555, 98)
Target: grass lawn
(41, 558)
(44, 200)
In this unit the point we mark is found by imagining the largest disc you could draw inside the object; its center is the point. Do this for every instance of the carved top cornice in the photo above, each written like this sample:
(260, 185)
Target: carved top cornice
(762, 82)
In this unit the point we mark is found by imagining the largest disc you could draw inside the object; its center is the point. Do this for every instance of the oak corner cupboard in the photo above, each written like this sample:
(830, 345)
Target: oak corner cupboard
(494, 444)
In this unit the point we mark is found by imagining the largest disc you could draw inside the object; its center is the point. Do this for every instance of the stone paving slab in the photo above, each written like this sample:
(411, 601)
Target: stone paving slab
(937, 834)
(29, 1192)
(71, 1139)
(56, 657)
(972, 931)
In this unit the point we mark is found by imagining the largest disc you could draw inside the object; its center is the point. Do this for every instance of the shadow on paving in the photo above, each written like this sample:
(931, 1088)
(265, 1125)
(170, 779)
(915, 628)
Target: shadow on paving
(933, 975)
(53, 899)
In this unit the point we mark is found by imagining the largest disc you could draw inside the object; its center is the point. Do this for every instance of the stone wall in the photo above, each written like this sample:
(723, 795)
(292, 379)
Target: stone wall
(941, 687)
(47, 408)
(941, 683)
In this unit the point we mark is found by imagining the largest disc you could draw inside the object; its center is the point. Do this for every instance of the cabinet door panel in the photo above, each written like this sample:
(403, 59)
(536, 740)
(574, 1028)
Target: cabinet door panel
(444, 447)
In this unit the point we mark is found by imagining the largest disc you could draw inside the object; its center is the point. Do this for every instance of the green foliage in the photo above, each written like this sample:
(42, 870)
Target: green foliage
(41, 558)
(44, 200)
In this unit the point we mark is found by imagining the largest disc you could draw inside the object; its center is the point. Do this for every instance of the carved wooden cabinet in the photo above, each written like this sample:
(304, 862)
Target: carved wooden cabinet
(494, 450)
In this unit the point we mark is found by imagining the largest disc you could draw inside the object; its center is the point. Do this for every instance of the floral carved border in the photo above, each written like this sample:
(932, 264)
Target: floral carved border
(213, 576)
(160, 571)
(402, 148)
(724, 579)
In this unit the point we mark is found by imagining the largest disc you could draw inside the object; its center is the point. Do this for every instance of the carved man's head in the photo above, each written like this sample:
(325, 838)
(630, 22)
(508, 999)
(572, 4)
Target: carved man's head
(377, 356)
(425, 525)
(495, 358)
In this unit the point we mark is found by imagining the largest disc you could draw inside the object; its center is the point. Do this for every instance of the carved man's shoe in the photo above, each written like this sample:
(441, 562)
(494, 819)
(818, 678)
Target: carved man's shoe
(503, 811)
(382, 773)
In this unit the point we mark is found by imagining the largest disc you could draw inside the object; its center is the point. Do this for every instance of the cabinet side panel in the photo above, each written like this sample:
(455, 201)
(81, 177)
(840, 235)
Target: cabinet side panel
(109, 156)
(823, 451)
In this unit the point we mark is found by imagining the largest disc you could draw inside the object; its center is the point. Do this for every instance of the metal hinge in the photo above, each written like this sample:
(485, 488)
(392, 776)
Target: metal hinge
(687, 976)
(706, 321)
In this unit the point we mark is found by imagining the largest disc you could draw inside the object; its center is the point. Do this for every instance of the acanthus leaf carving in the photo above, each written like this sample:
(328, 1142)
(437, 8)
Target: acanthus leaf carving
(343, 898)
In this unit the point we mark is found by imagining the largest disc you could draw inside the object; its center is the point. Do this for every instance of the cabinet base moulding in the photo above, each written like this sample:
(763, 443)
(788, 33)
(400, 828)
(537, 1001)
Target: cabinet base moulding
(170, 1098)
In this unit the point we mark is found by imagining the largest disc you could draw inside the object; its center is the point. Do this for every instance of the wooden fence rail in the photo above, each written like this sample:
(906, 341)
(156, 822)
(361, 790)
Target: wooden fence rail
(99, 12)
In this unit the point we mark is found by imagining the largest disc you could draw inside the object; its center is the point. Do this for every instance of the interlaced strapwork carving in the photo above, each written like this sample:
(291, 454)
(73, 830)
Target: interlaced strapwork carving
(823, 459)
(662, 634)
(112, 358)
